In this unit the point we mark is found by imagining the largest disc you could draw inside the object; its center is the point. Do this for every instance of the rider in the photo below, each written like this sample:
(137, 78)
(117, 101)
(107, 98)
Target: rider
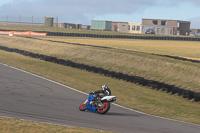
(104, 89)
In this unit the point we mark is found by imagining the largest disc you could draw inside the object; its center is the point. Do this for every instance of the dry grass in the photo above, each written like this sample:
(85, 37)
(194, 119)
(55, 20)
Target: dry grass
(186, 49)
(20, 126)
(179, 73)
(64, 30)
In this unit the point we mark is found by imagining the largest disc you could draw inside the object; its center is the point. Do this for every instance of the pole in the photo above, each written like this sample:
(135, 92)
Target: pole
(32, 20)
(57, 21)
(7, 19)
(19, 18)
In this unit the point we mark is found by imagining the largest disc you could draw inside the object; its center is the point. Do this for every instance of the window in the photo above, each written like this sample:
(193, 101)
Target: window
(171, 32)
(158, 30)
(123, 27)
(178, 25)
(129, 27)
(138, 28)
(155, 22)
(133, 27)
(162, 31)
(163, 23)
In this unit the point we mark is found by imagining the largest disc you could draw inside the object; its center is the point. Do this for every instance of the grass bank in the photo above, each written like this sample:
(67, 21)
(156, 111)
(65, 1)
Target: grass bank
(130, 95)
(184, 49)
(180, 73)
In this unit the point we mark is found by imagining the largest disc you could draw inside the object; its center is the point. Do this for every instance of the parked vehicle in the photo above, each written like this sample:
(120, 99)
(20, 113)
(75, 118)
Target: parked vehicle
(150, 31)
(100, 104)
(197, 34)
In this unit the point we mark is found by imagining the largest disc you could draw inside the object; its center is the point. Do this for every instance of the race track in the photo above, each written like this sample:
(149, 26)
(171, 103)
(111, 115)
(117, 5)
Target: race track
(26, 96)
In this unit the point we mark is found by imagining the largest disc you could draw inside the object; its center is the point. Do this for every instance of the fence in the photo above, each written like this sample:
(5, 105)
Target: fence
(23, 20)
(143, 37)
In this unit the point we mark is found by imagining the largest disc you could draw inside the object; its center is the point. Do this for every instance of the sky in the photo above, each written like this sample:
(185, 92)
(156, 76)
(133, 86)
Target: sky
(83, 11)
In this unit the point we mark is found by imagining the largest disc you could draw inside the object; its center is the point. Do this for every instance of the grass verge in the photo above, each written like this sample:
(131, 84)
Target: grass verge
(8, 125)
(130, 95)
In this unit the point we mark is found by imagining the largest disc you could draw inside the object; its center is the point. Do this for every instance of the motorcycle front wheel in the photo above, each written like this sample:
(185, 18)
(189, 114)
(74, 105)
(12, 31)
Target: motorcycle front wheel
(104, 109)
(83, 106)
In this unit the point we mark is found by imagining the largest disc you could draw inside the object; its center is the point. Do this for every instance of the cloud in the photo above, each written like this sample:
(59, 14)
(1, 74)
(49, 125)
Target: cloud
(178, 2)
(83, 11)
(195, 22)
(76, 11)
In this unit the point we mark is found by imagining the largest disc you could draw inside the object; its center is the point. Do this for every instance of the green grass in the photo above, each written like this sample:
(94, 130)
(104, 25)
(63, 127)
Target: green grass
(130, 95)
(180, 73)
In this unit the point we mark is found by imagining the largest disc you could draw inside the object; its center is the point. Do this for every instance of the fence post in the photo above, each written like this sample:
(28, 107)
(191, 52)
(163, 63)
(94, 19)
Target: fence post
(32, 21)
(7, 19)
(57, 21)
(19, 18)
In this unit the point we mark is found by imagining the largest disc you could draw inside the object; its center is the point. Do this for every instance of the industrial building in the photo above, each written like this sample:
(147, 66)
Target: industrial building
(67, 25)
(141, 28)
(194, 31)
(120, 26)
(101, 25)
(161, 27)
(179, 27)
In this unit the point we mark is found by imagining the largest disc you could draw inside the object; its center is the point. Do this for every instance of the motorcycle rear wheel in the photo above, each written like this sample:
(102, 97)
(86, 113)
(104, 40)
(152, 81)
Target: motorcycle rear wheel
(104, 109)
(83, 106)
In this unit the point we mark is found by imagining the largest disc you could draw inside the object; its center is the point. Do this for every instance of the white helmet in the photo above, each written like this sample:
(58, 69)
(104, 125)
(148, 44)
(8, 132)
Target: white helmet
(104, 87)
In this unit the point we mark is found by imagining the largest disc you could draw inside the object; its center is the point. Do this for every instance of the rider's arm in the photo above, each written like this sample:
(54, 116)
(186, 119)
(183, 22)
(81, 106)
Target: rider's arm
(99, 91)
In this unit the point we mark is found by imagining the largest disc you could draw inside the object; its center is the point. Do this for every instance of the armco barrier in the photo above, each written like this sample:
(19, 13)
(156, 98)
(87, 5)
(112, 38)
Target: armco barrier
(144, 37)
(118, 75)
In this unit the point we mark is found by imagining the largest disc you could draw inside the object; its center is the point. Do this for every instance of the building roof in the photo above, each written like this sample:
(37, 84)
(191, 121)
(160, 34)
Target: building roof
(118, 22)
(182, 21)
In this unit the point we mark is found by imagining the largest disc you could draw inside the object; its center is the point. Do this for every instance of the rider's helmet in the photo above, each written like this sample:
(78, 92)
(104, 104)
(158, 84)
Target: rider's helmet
(104, 87)
(106, 90)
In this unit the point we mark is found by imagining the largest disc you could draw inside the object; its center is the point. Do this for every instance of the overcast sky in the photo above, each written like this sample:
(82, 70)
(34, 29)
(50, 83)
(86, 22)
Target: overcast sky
(83, 11)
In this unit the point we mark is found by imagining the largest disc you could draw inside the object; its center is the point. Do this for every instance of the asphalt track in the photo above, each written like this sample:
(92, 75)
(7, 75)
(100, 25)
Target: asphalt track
(29, 97)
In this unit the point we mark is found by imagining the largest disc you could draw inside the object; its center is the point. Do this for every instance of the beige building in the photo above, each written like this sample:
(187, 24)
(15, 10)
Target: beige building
(67, 25)
(159, 29)
(120, 26)
(135, 28)
(141, 28)
(179, 27)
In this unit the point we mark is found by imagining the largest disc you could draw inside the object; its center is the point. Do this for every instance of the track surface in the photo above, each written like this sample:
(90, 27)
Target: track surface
(29, 97)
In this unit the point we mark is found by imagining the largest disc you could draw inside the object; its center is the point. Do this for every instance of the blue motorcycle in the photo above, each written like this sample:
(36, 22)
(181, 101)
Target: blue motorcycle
(100, 104)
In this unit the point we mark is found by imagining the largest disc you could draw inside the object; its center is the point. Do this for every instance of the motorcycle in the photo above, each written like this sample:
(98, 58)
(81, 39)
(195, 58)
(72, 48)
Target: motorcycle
(100, 104)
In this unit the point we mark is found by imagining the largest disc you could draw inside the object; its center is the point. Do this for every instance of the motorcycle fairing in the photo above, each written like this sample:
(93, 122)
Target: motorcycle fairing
(89, 106)
(109, 98)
